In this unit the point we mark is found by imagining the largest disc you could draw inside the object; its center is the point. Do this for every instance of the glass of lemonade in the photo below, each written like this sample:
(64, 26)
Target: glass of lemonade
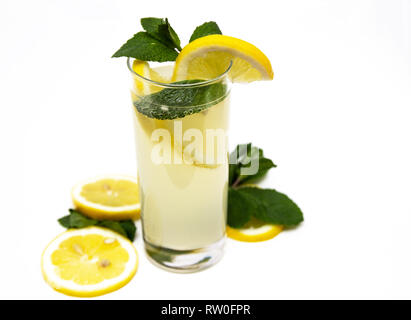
(181, 140)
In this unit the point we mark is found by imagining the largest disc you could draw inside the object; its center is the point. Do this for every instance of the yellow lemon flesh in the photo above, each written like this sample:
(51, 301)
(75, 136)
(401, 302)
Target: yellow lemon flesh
(89, 262)
(254, 231)
(111, 197)
(209, 56)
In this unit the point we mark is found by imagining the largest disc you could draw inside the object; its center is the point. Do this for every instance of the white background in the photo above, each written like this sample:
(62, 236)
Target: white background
(336, 120)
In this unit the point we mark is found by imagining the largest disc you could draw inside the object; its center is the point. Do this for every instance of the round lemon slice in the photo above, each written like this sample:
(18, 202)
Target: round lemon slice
(89, 262)
(209, 56)
(254, 231)
(112, 197)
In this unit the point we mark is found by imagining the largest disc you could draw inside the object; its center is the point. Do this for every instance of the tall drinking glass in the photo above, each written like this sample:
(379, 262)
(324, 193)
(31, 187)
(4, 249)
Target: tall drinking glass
(182, 158)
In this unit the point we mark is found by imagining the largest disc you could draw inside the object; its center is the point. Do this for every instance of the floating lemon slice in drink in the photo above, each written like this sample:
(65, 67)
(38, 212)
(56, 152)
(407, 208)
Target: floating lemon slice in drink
(209, 56)
(254, 231)
(111, 197)
(89, 262)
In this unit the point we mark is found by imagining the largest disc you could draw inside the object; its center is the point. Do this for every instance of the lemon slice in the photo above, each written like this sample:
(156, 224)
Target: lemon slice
(89, 262)
(254, 231)
(142, 87)
(112, 197)
(209, 56)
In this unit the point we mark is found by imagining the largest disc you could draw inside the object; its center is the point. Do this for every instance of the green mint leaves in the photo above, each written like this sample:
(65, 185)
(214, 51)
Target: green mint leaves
(240, 208)
(241, 161)
(144, 47)
(159, 42)
(77, 220)
(245, 201)
(161, 30)
(173, 103)
(205, 29)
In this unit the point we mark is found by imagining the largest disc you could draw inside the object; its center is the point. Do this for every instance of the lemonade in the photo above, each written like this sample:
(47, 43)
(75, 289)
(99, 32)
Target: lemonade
(184, 191)
(181, 119)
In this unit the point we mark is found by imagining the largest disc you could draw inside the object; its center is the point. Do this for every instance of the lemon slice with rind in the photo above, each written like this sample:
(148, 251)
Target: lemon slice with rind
(89, 262)
(209, 56)
(113, 197)
(254, 231)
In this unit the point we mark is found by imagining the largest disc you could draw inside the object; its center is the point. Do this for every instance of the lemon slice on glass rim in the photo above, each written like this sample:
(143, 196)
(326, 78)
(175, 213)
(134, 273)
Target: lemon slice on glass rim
(208, 57)
(89, 262)
(112, 197)
(254, 231)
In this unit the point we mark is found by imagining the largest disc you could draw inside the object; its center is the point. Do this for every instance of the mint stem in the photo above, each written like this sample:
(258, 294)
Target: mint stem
(236, 182)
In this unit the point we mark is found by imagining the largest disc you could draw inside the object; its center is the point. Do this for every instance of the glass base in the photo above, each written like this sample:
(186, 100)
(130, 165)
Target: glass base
(185, 261)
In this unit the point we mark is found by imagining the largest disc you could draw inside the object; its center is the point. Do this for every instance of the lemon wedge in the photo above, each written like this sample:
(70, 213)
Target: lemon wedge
(89, 262)
(254, 231)
(112, 197)
(209, 56)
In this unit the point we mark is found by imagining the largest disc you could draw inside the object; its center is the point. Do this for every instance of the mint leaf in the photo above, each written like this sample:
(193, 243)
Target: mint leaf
(273, 207)
(205, 29)
(240, 209)
(232, 172)
(173, 103)
(174, 36)
(264, 165)
(113, 225)
(129, 227)
(143, 46)
(126, 228)
(65, 221)
(161, 30)
(246, 156)
(77, 220)
(151, 25)
(160, 255)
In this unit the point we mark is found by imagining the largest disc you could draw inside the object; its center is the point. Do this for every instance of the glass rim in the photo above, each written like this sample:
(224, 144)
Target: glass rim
(177, 85)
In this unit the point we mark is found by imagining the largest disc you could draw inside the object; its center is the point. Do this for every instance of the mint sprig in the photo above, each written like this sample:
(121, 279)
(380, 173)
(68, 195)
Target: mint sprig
(205, 29)
(245, 201)
(77, 220)
(159, 42)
